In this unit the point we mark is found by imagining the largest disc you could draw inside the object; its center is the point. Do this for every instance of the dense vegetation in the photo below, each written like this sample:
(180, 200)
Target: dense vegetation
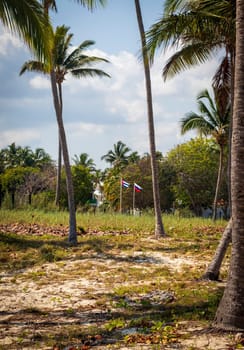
(187, 178)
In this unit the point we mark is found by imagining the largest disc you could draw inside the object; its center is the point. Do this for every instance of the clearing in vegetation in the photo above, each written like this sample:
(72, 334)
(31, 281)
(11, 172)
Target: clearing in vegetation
(119, 288)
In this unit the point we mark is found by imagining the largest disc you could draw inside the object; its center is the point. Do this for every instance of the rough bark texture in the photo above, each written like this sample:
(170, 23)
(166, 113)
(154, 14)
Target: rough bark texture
(213, 270)
(230, 313)
(219, 179)
(69, 183)
(159, 229)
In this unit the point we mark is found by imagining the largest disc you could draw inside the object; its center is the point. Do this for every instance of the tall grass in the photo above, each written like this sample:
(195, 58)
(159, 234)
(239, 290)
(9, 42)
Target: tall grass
(106, 222)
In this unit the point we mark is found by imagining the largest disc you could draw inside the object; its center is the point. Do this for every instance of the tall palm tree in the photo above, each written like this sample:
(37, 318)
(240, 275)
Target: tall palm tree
(84, 160)
(159, 229)
(26, 19)
(118, 157)
(213, 119)
(47, 5)
(230, 313)
(197, 29)
(78, 64)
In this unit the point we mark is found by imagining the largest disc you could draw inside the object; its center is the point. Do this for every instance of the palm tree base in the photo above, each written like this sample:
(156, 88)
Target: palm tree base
(210, 276)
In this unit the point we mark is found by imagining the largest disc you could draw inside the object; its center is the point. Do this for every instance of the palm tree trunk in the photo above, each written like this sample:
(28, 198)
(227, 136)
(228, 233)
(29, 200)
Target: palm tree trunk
(230, 129)
(230, 313)
(58, 184)
(159, 229)
(70, 191)
(58, 180)
(219, 179)
(213, 270)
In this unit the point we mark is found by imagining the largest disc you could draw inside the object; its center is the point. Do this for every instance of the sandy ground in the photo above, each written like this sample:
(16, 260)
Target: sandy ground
(39, 300)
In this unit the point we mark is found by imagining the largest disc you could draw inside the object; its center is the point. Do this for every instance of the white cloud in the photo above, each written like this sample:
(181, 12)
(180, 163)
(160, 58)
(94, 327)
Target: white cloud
(40, 82)
(80, 129)
(8, 42)
(20, 136)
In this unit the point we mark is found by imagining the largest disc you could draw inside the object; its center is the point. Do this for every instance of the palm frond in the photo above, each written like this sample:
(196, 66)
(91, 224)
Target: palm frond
(89, 72)
(92, 4)
(26, 18)
(34, 66)
(187, 57)
(193, 121)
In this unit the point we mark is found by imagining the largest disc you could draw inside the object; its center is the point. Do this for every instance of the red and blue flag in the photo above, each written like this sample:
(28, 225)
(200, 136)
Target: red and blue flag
(125, 184)
(137, 188)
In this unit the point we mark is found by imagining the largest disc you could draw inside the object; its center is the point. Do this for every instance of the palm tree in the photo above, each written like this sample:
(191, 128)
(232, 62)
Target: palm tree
(134, 157)
(198, 29)
(11, 156)
(84, 160)
(26, 19)
(159, 229)
(51, 4)
(230, 313)
(78, 64)
(118, 157)
(213, 119)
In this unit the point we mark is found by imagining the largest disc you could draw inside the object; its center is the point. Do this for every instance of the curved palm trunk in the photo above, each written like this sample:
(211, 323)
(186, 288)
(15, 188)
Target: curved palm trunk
(159, 229)
(230, 313)
(58, 184)
(213, 270)
(72, 216)
(219, 179)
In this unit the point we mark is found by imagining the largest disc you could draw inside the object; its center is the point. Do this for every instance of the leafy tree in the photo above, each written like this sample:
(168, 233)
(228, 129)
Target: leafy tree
(159, 228)
(112, 187)
(195, 165)
(213, 119)
(230, 313)
(12, 179)
(83, 186)
(35, 181)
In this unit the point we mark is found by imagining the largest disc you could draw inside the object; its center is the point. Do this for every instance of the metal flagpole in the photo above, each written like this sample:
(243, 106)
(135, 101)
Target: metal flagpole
(134, 199)
(120, 207)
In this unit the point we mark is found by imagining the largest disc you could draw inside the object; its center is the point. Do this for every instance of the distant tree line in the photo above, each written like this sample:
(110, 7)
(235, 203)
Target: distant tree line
(187, 178)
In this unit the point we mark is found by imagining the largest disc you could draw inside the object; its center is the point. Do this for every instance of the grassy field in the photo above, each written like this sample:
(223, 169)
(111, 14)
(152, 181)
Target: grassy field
(120, 288)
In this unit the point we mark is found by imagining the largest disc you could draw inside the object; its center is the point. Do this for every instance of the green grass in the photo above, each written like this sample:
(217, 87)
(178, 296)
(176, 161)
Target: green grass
(121, 253)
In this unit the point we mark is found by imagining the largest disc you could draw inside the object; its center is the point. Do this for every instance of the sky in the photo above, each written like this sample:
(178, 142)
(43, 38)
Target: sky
(98, 112)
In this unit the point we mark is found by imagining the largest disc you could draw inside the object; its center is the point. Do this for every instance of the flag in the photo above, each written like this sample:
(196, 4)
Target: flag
(137, 188)
(125, 184)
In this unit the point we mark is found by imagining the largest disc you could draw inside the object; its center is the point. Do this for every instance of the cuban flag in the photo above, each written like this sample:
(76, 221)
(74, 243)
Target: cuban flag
(137, 188)
(125, 184)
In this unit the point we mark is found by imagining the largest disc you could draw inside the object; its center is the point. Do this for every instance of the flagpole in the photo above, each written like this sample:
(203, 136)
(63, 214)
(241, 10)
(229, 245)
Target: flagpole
(120, 207)
(134, 199)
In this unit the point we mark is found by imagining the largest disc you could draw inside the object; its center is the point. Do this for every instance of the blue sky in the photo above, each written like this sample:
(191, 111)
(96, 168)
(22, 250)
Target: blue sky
(97, 112)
